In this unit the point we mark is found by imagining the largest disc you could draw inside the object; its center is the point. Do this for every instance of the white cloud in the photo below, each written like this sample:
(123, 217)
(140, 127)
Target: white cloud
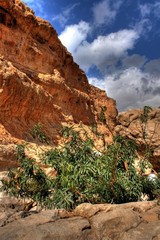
(132, 88)
(150, 8)
(145, 9)
(74, 35)
(105, 49)
(125, 80)
(149, 13)
(143, 27)
(157, 9)
(65, 15)
(105, 11)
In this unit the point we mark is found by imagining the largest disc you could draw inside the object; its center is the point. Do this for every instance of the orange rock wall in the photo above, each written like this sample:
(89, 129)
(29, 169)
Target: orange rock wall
(130, 125)
(40, 82)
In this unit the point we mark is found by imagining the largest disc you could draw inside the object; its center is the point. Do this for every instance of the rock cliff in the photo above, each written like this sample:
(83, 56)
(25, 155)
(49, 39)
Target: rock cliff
(129, 124)
(40, 82)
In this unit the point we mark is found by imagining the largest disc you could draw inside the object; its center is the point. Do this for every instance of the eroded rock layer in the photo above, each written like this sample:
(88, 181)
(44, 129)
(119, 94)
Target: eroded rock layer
(40, 82)
(146, 133)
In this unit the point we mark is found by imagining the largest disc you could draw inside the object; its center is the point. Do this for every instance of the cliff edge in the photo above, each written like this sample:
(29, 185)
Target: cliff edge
(40, 82)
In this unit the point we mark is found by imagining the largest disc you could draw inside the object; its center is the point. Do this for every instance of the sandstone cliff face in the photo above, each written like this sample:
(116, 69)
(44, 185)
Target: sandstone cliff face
(40, 82)
(130, 125)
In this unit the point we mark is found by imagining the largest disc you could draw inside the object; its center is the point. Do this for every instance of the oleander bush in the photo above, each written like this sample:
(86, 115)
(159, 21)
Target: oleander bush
(39, 134)
(83, 174)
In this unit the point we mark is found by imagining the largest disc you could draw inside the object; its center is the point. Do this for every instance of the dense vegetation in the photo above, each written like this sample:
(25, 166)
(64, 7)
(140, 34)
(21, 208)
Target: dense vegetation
(83, 173)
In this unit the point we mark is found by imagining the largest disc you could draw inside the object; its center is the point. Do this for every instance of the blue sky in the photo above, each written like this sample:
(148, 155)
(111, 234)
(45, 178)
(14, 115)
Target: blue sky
(116, 42)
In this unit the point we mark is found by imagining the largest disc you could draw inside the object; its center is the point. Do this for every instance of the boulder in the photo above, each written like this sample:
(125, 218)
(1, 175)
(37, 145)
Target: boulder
(92, 222)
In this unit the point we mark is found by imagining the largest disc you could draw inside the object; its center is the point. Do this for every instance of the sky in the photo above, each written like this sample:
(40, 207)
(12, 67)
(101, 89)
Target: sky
(116, 43)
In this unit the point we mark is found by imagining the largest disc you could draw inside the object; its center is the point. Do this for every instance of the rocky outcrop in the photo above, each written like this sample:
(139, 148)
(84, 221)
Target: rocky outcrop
(134, 220)
(40, 82)
(130, 125)
(92, 222)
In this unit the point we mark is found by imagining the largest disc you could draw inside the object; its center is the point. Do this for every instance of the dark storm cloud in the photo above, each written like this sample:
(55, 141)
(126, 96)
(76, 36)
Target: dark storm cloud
(156, 91)
(134, 60)
(153, 67)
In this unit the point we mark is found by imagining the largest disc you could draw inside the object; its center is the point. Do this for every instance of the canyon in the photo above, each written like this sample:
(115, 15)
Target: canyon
(41, 85)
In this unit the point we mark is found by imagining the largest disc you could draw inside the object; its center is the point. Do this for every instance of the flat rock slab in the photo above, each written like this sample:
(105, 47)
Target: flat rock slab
(131, 221)
(45, 227)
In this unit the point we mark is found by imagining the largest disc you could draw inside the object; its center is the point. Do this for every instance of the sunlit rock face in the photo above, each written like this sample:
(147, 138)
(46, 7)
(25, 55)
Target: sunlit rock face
(40, 82)
(130, 125)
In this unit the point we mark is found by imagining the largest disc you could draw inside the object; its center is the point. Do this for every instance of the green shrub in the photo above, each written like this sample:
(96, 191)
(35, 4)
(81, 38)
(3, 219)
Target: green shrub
(102, 116)
(83, 174)
(38, 133)
(27, 181)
